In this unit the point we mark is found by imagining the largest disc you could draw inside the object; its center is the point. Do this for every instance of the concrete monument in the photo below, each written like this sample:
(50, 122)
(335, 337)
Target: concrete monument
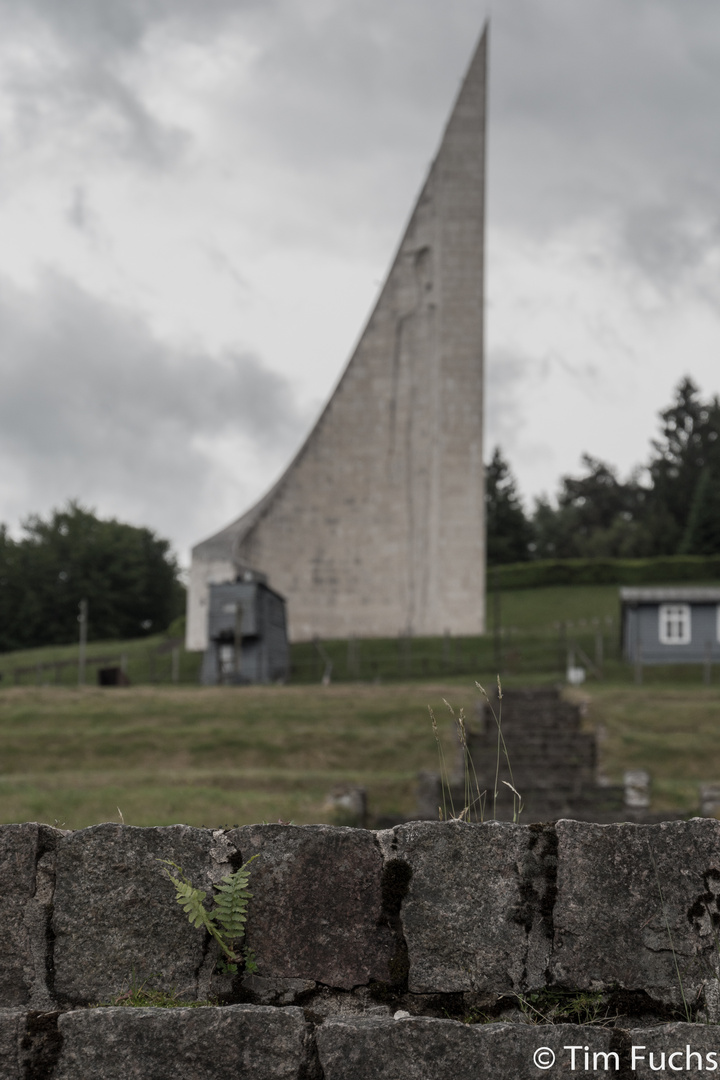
(377, 526)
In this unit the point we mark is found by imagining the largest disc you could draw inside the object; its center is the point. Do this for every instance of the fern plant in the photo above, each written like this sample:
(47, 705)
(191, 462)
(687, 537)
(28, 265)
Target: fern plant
(226, 922)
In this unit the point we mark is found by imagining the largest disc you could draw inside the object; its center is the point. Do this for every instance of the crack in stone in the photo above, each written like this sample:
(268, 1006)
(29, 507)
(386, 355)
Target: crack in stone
(37, 920)
(40, 1046)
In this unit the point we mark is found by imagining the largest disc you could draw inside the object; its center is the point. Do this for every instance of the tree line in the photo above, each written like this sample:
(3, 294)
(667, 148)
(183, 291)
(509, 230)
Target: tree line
(671, 507)
(131, 579)
(128, 575)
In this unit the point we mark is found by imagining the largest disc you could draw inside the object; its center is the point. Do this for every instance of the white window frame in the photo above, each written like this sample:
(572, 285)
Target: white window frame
(675, 624)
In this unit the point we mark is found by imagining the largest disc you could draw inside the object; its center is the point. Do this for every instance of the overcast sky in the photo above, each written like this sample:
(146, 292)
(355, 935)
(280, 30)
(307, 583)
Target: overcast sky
(199, 200)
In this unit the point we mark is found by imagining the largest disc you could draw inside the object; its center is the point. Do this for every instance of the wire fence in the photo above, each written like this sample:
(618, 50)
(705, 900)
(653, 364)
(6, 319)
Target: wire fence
(167, 663)
(589, 646)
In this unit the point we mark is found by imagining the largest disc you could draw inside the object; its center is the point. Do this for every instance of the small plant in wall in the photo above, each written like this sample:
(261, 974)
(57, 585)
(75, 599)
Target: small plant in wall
(474, 800)
(226, 922)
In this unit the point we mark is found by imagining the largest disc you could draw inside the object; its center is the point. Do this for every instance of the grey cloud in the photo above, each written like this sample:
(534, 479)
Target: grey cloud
(142, 135)
(77, 212)
(507, 376)
(602, 111)
(77, 90)
(599, 111)
(107, 28)
(666, 244)
(93, 405)
(88, 102)
(514, 382)
(351, 101)
(67, 75)
(595, 108)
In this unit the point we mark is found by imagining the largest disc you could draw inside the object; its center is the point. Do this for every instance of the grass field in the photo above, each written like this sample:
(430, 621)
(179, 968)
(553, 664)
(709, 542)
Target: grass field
(209, 756)
(672, 731)
(147, 660)
(542, 609)
(227, 756)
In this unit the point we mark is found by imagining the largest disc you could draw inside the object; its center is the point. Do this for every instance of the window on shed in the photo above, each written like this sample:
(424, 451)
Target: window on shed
(674, 624)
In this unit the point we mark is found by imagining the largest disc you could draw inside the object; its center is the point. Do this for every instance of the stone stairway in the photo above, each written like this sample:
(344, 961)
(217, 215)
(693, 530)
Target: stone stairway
(547, 758)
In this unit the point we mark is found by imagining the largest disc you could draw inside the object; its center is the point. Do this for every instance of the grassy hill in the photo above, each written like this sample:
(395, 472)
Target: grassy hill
(210, 756)
(161, 751)
(147, 660)
(529, 634)
(227, 756)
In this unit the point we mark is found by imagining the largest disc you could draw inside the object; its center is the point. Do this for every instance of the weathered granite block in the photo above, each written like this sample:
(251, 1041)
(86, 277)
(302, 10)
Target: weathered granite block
(26, 898)
(253, 1041)
(635, 900)
(477, 914)
(39, 1040)
(29, 1044)
(12, 1029)
(316, 911)
(115, 915)
(417, 1049)
(673, 1048)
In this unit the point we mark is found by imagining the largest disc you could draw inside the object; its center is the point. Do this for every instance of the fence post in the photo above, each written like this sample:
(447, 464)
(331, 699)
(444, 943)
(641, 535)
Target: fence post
(638, 649)
(404, 652)
(446, 650)
(353, 653)
(83, 620)
(638, 665)
(326, 660)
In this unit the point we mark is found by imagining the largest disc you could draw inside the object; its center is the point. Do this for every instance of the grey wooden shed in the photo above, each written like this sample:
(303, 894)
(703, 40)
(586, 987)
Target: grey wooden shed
(247, 633)
(678, 625)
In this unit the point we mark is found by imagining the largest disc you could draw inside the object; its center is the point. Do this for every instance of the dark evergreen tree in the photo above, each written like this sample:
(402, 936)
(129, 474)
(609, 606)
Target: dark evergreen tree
(10, 589)
(702, 532)
(509, 533)
(684, 474)
(677, 512)
(552, 534)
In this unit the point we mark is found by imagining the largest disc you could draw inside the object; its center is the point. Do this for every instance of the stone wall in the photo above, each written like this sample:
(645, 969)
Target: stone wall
(432, 923)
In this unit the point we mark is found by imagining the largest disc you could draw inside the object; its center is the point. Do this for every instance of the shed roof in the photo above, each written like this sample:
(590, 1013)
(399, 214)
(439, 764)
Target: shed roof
(671, 594)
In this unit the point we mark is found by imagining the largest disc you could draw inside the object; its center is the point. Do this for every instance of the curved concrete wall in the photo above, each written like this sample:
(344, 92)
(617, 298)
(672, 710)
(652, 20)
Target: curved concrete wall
(378, 524)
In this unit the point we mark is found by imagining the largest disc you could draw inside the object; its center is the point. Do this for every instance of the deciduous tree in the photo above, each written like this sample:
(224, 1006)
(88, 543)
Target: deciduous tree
(128, 575)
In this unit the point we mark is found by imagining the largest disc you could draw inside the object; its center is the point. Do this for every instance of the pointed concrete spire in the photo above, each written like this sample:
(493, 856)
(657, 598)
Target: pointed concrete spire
(378, 524)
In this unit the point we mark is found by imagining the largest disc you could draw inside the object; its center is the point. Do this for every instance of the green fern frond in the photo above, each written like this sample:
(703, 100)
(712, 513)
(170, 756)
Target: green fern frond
(192, 901)
(231, 900)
